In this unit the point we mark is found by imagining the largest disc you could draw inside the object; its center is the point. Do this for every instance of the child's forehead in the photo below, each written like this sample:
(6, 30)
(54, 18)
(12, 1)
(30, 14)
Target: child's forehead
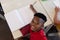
(37, 18)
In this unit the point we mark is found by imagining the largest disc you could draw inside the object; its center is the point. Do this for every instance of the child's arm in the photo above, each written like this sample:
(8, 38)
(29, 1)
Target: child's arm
(33, 9)
(56, 21)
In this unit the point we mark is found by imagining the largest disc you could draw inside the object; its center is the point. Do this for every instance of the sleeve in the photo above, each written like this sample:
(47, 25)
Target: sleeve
(25, 30)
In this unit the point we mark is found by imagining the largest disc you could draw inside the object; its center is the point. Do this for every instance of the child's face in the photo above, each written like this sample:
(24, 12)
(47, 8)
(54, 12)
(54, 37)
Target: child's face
(35, 24)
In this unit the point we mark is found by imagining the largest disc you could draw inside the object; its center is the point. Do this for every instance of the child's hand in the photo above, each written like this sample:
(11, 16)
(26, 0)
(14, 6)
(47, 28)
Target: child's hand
(31, 6)
(57, 9)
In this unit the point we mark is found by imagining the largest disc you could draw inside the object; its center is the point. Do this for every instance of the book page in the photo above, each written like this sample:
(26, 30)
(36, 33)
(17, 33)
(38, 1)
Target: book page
(18, 18)
(57, 3)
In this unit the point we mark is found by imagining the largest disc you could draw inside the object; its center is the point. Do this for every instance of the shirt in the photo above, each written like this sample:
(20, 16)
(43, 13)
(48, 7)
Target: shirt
(40, 35)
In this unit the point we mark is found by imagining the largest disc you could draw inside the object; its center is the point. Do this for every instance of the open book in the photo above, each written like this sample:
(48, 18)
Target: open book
(18, 18)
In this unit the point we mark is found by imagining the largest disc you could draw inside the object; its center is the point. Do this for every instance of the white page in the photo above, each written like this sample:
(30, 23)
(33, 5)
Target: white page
(57, 3)
(18, 18)
(9, 5)
(26, 13)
